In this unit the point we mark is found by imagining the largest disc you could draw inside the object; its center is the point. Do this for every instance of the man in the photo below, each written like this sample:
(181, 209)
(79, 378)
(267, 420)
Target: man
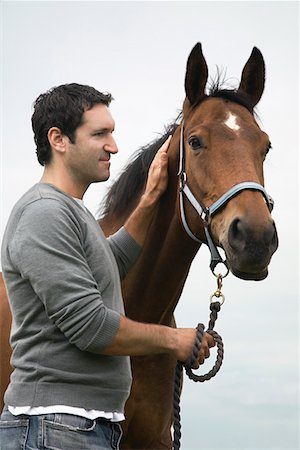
(70, 338)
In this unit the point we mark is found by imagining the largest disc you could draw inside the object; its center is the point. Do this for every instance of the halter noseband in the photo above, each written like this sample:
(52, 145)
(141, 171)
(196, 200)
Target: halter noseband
(206, 213)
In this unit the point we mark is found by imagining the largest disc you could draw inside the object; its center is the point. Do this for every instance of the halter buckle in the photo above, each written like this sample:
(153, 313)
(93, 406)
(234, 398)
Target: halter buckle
(183, 179)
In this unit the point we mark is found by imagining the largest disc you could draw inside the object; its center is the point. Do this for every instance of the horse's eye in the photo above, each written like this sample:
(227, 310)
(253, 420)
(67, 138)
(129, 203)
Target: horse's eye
(195, 143)
(268, 148)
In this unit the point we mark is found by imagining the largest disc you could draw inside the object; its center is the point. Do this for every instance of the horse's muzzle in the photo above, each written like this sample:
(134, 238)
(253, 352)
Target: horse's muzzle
(249, 248)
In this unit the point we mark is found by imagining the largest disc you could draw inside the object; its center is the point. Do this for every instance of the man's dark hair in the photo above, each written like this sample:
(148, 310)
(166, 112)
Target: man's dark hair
(62, 107)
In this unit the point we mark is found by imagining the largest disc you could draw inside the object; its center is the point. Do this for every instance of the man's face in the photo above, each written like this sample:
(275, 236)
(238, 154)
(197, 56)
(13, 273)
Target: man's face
(88, 159)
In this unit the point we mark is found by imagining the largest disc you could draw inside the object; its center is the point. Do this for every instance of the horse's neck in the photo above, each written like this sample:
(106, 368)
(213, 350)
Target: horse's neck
(153, 287)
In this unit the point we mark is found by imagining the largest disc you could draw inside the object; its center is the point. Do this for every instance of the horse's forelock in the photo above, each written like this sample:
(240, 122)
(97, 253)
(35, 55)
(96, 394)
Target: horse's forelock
(219, 87)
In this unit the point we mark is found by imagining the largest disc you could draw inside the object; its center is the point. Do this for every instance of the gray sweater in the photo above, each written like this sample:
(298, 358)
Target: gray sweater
(63, 282)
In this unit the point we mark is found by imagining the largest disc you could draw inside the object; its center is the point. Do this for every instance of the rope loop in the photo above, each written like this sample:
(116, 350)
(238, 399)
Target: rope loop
(187, 366)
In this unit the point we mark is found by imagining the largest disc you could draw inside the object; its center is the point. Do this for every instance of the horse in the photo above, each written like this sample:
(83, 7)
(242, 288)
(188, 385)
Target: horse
(215, 196)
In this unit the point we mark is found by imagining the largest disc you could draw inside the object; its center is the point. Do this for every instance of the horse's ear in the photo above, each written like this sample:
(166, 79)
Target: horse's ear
(253, 76)
(196, 75)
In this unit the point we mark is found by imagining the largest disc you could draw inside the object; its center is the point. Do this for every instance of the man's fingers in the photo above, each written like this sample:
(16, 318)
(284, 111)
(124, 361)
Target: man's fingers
(207, 342)
(210, 340)
(161, 157)
(165, 147)
(207, 352)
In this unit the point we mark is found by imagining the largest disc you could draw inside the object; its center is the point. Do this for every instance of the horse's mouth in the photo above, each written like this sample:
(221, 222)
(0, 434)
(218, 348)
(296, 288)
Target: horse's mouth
(258, 276)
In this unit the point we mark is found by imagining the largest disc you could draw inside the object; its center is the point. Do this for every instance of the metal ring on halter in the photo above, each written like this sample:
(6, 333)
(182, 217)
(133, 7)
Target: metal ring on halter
(217, 274)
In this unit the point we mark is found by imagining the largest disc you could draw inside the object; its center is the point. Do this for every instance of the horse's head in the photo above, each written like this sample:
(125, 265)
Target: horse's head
(224, 147)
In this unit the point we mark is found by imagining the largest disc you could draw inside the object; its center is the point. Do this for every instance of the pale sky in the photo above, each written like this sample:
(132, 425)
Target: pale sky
(138, 52)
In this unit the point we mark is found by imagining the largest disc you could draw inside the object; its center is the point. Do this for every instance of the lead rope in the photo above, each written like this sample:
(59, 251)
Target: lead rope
(215, 307)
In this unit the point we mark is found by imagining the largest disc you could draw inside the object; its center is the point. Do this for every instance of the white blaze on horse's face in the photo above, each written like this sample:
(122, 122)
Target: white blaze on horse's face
(231, 122)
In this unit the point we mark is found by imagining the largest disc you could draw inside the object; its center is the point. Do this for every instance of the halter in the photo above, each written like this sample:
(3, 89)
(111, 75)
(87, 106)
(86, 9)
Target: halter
(206, 213)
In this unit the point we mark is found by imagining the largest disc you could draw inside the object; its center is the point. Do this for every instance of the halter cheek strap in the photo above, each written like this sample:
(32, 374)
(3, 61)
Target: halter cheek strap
(206, 213)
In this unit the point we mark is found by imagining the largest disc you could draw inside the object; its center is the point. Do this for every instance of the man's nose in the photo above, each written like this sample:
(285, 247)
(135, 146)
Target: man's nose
(111, 146)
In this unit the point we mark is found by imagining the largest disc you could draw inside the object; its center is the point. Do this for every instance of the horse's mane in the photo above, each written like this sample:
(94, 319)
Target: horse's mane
(133, 177)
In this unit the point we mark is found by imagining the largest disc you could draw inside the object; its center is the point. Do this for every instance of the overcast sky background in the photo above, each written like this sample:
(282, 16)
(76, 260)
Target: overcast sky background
(138, 52)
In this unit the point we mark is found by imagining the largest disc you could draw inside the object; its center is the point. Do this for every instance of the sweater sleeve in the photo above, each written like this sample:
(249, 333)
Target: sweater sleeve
(125, 249)
(47, 250)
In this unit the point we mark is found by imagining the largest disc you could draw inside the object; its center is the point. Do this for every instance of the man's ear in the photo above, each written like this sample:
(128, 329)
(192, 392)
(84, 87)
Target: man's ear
(57, 139)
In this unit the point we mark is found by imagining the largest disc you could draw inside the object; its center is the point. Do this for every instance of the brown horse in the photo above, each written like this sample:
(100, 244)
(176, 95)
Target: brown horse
(221, 152)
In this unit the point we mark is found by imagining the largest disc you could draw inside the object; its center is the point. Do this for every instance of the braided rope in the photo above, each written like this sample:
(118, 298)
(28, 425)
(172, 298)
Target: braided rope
(215, 308)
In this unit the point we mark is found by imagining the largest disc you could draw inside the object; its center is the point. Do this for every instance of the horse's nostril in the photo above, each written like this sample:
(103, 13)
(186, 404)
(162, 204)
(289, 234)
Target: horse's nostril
(272, 237)
(236, 234)
(243, 233)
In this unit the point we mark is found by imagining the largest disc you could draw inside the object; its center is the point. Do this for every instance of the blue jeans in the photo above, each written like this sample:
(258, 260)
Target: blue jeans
(57, 432)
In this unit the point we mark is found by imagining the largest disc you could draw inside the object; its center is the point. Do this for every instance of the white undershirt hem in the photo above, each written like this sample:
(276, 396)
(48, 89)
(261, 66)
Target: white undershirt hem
(91, 414)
